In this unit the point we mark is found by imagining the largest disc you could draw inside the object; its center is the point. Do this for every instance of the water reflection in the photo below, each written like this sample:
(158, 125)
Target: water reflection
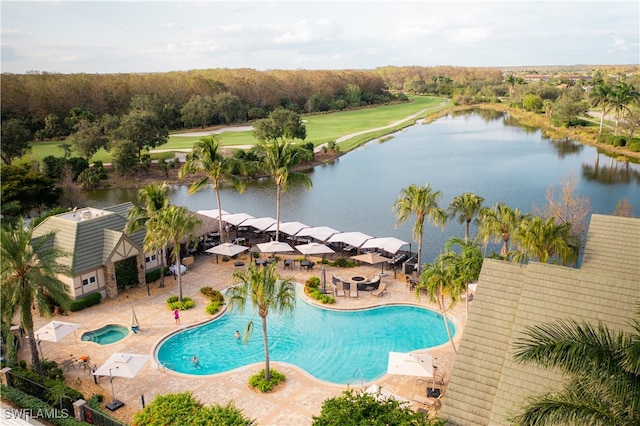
(611, 172)
(565, 146)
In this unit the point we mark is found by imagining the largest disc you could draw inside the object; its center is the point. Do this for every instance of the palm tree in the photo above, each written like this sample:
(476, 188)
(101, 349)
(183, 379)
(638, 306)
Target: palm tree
(541, 239)
(421, 202)
(466, 264)
(266, 291)
(151, 200)
(438, 280)
(622, 95)
(601, 96)
(171, 225)
(29, 276)
(602, 369)
(498, 224)
(277, 159)
(206, 158)
(465, 206)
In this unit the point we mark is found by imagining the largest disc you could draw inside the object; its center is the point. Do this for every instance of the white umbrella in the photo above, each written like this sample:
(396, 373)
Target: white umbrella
(314, 248)
(236, 218)
(409, 364)
(388, 244)
(355, 239)
(274, 247)
(371, 258)
(261, 223)
(226, 249)
(54, 332)
(321, 233)
(289, 228)
(212, 213)
(120, 365)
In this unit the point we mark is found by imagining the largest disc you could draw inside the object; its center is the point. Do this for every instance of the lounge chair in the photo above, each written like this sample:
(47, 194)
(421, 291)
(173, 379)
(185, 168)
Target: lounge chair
(353, 290)
(339, 290)
(381, 394)
(381, 289)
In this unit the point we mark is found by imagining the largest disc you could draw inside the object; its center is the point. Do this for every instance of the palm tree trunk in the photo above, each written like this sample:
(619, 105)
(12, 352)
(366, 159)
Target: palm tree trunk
(278, 191)
(163, 264)
(446, 322)
(33, 346)
(219, 214)
(505, 245)
(466, 231)
(176, 252)
(267, 370)
(419, 253)
(603, 112)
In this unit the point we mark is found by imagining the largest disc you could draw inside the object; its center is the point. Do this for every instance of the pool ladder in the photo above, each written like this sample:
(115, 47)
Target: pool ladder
(355, 373)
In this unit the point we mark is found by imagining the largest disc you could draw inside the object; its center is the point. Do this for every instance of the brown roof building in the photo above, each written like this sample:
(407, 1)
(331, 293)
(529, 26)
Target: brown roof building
(486, 385)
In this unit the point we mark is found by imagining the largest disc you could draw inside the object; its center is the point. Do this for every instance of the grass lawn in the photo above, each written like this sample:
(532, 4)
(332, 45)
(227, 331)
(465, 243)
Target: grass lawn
(321, 128)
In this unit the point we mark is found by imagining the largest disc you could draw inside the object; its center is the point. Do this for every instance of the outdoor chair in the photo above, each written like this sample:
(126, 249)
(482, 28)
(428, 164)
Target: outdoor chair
(353, 290)
(381, 289)
(339, 290)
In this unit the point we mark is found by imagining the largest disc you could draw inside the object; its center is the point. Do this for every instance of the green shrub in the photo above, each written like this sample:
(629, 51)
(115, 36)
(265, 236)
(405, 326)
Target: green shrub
(26, 401)
(186, 303)
(152, 276)
(342, 262)
(312, 282)
(212, 294)
(258, 381)
(634, 146)
(213, 307)
(315, 293)
(85, 302)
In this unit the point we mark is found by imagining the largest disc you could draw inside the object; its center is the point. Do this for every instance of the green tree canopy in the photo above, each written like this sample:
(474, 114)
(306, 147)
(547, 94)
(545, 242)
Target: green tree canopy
(281, 125)
(16, 140)
(88, 138)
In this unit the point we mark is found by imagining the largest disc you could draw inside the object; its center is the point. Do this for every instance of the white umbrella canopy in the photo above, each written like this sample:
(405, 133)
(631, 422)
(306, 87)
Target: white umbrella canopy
(274, 247)
(55, 331)
(289, 228)
(355, 239)
(261, 223)
(236, 218)
(321, 233)
(227, 249)
(122, 365)
(388, 244)
(212, 213)
(408, 364)
(314, 248)
(371, 258)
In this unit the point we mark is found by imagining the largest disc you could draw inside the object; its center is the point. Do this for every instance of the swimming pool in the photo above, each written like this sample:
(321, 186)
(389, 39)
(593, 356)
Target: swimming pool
(106, 335)
(334, 346)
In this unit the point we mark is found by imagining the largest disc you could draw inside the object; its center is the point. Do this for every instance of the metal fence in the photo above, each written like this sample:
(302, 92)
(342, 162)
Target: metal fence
(39, 391)
(99, 418)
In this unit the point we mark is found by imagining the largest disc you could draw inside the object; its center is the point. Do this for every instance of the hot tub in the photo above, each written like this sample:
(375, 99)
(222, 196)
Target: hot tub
(106, 335)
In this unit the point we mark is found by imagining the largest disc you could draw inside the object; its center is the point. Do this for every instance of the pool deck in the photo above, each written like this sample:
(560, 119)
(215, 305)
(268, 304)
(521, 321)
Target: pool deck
(295, 403)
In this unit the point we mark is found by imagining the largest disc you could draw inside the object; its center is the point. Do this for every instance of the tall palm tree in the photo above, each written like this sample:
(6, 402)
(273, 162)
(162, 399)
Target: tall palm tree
(466, 264)
(172, 224)
(602, 369)
(151, 200)
(266, 291)
(601, 96)
(276, 159)
(206, 158)
(421, 202)
(438, 281)
(29, 274)
(498, 224)
(465, 207)
(622, 95)
(542, 240)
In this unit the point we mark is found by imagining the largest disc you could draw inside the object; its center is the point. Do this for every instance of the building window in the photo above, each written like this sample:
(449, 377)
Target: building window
(88, 281)
(150, 259)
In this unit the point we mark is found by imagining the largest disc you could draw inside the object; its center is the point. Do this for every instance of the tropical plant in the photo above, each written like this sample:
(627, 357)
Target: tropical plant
(359, 408)
(172, 224)
(263, 288)
(542, 240)
(601, 96)
(623, 94)
(465, 207)
(29, 277)
(206, 158)
(151, 200)
(498, 223)
(602, 373)
(466, 264)
(421, 202)
(438, 280)
(277, 159)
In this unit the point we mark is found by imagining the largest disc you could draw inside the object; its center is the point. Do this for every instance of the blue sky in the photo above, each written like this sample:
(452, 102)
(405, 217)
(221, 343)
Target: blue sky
(158, 36)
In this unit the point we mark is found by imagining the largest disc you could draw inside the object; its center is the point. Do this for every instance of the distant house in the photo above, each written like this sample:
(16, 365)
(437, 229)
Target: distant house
(95, 242)
(486, 385)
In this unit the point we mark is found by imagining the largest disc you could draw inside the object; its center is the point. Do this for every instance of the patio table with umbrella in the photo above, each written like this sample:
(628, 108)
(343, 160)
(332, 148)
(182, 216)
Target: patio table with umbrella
(320, 233)
(226, 249)
(274, 247)
(314, 248)
(120, 365)
(410, 364)
(54, 332)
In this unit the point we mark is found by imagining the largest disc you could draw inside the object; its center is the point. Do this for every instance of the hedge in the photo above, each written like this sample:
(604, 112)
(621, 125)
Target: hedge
(85, 302)
(28, 402)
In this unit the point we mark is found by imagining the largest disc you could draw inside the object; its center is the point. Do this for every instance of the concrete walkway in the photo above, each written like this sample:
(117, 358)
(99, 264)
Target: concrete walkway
(294, 404)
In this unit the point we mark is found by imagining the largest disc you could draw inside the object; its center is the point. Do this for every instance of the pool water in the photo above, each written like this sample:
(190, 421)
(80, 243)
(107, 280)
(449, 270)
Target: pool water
(106, 335)
(334, 346)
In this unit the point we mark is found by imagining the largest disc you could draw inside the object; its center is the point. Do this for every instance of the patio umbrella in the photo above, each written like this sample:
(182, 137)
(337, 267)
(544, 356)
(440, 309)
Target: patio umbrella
(212, 213)
(388, 244)
(320, 233)
(409, 364)
(274, 247)
(120, 365)
(289, 228)
(355, 239)
(135, 325)
(236, 218)
(54, 332)
(371, 258)
(260, 223)
(314, 248)
(226, 249)
(324, 277)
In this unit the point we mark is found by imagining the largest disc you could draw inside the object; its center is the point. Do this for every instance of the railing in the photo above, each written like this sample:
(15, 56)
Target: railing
(39, 391)
(99, 418)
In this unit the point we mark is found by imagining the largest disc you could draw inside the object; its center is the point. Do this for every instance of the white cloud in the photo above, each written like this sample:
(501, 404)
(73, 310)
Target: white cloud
(617, 44)
(9, 33)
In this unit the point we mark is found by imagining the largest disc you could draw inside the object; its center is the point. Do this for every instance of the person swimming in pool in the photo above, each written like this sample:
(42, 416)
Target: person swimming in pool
(237, 334)
(196, 363)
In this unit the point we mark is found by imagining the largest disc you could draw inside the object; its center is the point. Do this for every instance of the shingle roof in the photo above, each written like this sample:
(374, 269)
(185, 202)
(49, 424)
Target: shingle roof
(486, 385)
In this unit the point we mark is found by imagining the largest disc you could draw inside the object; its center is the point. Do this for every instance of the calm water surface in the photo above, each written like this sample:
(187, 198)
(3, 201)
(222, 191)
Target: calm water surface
(483, 152)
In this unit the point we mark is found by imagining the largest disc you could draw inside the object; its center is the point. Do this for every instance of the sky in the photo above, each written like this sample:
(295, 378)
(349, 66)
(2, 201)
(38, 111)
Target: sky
(160, 36)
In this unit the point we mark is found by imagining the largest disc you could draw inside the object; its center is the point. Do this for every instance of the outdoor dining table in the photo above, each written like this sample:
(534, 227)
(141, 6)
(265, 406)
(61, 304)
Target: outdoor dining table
(306, 264)
(261, 262)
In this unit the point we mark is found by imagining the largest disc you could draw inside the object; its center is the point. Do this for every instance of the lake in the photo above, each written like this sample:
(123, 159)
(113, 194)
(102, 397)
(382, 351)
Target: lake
(480, 151)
